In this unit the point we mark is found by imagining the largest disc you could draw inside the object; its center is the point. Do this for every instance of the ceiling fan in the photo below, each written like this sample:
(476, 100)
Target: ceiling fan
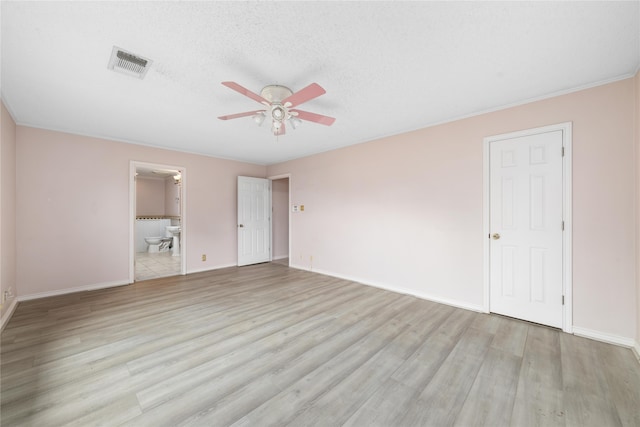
(279, 102)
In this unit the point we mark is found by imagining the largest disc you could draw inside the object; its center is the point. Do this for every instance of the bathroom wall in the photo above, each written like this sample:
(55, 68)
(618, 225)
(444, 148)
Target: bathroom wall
(95, 173)
(172, 196)
(157, 196)
(150, 196)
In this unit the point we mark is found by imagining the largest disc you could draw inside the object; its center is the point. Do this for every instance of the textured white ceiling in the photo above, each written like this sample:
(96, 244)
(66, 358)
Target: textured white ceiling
(388, 67)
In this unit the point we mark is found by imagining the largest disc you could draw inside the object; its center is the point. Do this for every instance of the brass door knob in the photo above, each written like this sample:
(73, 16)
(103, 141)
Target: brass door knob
(495, 236)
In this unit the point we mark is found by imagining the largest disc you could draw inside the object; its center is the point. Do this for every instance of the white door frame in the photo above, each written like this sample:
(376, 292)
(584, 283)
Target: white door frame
(567, 239)
(133, 165)
(273, 178)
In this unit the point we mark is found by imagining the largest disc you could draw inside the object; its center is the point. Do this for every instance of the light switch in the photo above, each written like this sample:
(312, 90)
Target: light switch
(301, 208)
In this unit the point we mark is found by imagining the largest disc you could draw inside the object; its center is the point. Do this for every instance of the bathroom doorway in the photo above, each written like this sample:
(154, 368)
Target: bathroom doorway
(280, 205)
(157, 212)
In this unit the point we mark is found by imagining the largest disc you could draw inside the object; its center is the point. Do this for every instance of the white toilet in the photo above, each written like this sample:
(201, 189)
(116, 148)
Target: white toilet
(156, 242)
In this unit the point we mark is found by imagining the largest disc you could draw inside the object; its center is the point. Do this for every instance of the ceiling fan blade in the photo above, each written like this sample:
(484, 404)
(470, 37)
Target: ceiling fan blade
(314, 90)
(246, 92)
(235, 116)
(313, 117)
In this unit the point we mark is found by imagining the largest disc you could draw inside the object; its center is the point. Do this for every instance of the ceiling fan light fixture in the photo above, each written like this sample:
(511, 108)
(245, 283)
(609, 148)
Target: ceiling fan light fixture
(278, 113)
(259, 118)
(295, 122)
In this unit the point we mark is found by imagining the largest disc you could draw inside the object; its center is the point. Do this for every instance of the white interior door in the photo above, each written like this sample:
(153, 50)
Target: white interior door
(254, 220)
(526, 227)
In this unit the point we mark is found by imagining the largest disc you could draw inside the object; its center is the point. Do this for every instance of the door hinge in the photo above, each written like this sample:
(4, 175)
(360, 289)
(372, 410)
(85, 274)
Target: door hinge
(562, 299)
(562, 151)
(562, 225)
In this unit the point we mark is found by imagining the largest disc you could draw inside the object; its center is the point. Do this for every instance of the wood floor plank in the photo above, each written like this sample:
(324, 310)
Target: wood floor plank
(490, 400)
(59, 407)
(586, 394)
(157, 341)
(272, 345)
(621, 371)
(216, 396)
(303, 392)
(446, 393)
(510, 336)
(167, 370)
(423, 364)
(386, 407)
(204, 366)
(354, 390)
(539, 397)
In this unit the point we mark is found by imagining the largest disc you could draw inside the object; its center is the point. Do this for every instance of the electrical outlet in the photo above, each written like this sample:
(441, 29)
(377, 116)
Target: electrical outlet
(5, 296)
(204, 257)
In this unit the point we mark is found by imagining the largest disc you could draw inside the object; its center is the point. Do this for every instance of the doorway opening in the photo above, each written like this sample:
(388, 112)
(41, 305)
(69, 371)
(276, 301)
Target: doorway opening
(157, 226)
(280, 203)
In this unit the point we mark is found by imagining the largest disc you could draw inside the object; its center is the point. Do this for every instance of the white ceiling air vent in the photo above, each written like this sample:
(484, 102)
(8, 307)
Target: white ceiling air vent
(128, 63)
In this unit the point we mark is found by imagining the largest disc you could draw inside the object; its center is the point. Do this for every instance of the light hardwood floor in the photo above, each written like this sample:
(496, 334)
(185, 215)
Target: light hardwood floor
(268, 345)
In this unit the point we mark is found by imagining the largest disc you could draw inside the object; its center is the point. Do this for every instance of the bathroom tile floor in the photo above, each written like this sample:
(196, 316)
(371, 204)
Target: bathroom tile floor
(161, 264)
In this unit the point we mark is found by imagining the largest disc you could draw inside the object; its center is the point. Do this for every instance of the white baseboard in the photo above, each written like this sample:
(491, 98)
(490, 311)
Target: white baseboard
(7, 314)
(92, 287)
(399, 290)
(102, 285)
(604, 337)
(587, 333)
(216, 267)
(279, 257)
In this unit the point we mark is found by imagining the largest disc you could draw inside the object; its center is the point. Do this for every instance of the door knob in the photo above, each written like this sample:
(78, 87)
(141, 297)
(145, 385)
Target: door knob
(240, 225)
(495, 236)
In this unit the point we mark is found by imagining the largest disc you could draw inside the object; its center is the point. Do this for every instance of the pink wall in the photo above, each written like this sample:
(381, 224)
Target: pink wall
(280, 204)
(150, 196)
(637, 128)
(405, 212)
(7, 206)
(73, 209)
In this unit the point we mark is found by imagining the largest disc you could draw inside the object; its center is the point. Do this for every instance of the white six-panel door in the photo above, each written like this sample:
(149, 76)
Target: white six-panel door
(526, 227)
(254, 220)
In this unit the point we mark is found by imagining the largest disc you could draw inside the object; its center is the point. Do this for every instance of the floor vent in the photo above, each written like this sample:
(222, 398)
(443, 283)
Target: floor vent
(128, 63)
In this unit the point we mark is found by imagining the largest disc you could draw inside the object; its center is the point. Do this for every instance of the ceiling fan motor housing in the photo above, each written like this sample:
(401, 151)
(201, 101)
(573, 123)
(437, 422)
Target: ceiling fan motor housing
(275, 93)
